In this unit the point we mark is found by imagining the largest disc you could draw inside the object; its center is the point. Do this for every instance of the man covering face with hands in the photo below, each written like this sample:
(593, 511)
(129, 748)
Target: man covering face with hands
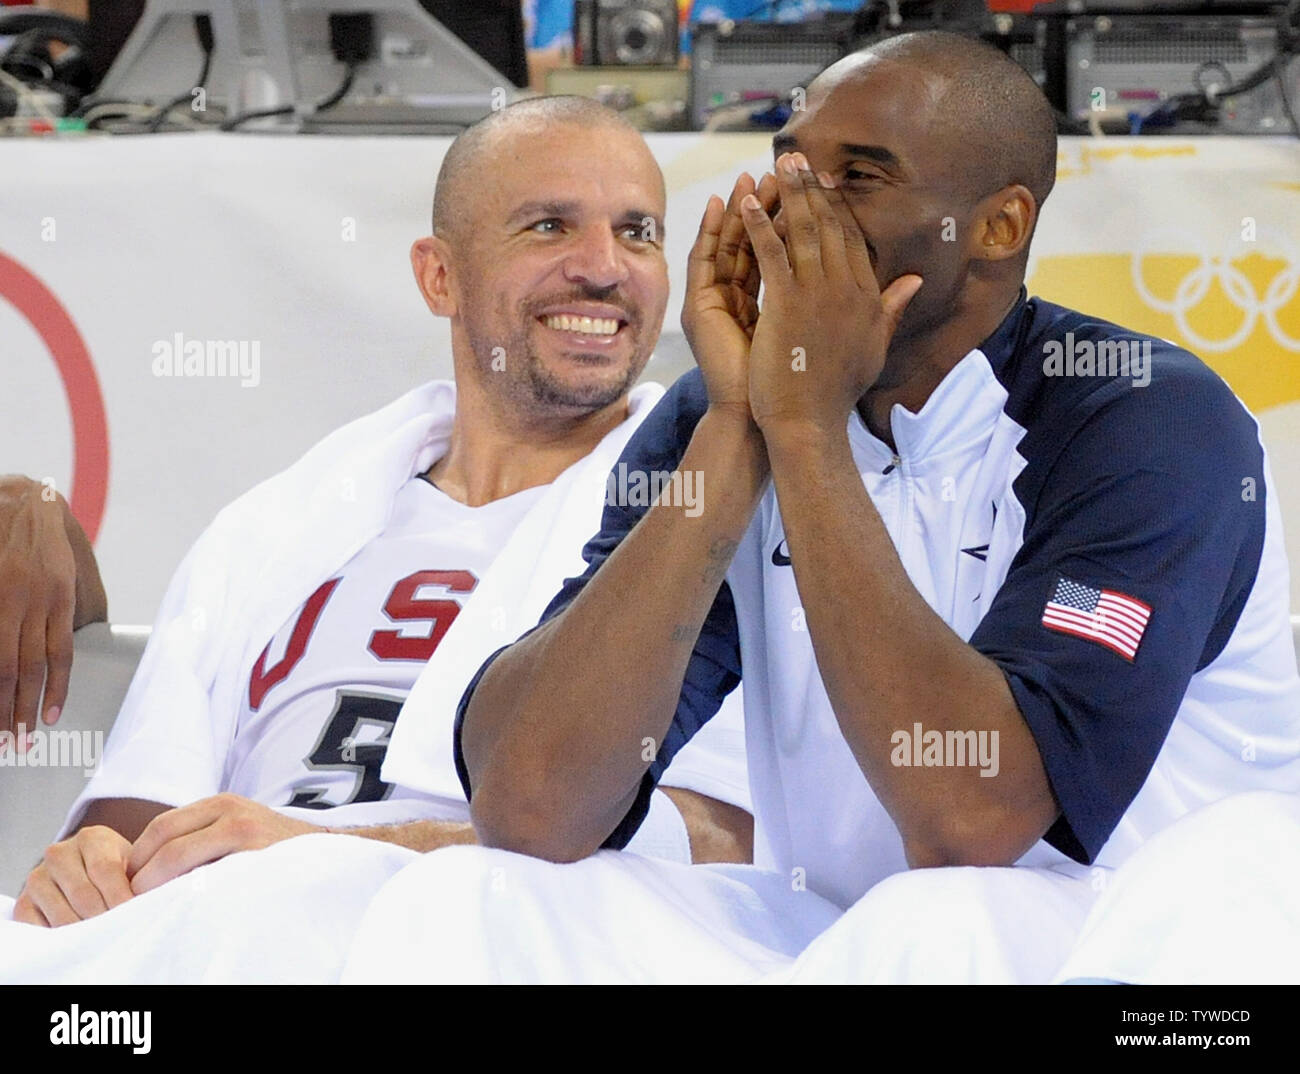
(987, 615)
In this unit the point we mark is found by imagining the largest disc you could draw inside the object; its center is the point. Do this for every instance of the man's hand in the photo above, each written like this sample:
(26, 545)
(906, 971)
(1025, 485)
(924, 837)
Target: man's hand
(182, 839)
(38, 581)
(49, 586)
(722, 282)
(825, 327)
(79, 878)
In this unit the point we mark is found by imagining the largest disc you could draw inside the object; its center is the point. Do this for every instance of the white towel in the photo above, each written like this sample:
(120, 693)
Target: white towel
(544, 550)
(264, 553)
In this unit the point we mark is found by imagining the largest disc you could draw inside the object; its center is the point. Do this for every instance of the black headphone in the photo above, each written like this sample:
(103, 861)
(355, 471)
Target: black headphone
(28, 57)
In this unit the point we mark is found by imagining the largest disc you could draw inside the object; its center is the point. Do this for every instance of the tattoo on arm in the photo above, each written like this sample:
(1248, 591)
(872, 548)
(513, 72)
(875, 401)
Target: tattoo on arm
(720, 553)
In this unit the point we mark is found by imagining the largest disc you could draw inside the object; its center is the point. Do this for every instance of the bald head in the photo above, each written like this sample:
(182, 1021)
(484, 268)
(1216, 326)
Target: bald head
(547, 257)
(471, 153)
(1000, 128)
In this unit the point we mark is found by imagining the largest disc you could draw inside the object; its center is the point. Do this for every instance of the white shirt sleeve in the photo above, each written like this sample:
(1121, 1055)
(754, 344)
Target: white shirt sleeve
(167, 744)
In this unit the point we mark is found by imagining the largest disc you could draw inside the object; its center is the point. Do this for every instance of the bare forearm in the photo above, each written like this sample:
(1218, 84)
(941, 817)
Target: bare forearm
(718, 831)
(126, 816)
(420, 835)
(575, 712)
(889, 662)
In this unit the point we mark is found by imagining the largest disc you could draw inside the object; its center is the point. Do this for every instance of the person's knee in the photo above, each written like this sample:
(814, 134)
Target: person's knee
(1254, 813)
(924, 916)
(957, 924)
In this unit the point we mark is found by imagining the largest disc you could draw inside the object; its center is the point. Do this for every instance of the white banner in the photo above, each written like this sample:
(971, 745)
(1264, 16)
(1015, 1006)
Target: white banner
(294, 253)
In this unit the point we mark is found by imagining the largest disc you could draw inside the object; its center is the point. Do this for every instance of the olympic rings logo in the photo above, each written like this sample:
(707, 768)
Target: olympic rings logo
(46, 314)
(1235, 284)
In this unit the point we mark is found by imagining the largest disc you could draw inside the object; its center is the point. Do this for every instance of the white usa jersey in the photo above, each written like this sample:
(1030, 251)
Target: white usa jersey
(1111, 542)
(321, 700)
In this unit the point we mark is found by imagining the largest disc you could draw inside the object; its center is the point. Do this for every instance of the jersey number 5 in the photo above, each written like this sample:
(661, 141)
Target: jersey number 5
(340, 748)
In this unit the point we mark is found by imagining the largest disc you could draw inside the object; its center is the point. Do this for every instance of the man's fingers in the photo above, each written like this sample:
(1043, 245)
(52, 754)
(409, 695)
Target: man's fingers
(31, 671)
(58, 659)
(768, 247)
(66, 867)
(732, 255)
(895, 298)
(831, 238)
(81, 891)
(181, 856)
(169, 826)
(701, 264)
(802, 229)
(9, 635)
(106, 869)
(855, 242)
(49, 900)
(26, 913)
(769, 197)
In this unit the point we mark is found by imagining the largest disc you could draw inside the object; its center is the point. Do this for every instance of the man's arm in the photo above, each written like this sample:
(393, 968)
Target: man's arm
(889, 661)
(1078, 726)
(86, 874)
(178, 840)
(127, 846)
(49, 587)
(886, 658)
(718, 831)
(576, 710)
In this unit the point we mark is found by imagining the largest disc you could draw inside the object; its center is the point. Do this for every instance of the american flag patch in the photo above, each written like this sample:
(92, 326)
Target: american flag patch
(1112, 619)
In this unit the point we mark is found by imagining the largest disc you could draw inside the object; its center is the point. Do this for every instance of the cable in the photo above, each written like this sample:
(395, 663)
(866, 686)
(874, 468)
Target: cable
(1203, 105)
(234, 122)
(338, 95)
(25, 93)
(203, 29)
(135, 114)
(1286, 100)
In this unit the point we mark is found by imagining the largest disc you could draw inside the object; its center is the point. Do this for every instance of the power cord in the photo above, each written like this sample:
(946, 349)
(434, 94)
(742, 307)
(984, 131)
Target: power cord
(1203, 105)
(352, 42)
(203, 28)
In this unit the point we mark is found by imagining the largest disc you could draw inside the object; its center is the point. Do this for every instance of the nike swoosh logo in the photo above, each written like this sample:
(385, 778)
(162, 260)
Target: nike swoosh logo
(779, 558)
(981, 551)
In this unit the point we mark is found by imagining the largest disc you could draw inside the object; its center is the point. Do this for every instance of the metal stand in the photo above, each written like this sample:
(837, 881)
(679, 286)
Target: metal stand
(272, 53)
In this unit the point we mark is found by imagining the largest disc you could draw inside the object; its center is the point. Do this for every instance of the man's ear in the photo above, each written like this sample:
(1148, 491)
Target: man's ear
(1004, 223)
(431, 263)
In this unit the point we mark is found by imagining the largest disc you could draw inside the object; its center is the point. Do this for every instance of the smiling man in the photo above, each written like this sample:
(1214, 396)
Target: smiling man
(985, 615)
(299, 623)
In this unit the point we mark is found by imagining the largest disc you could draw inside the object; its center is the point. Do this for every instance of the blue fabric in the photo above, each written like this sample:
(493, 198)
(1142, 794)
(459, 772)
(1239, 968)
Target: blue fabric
(1133, 490)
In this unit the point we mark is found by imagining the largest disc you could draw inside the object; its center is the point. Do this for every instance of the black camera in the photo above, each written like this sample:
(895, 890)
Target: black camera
(632, 32)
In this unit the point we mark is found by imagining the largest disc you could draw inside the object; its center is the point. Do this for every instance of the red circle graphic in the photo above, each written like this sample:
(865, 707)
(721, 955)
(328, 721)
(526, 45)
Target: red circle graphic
(52, 323)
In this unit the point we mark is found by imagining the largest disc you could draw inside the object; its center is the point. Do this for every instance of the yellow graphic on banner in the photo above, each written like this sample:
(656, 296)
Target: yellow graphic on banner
(1078, 162)
(1241, 316)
